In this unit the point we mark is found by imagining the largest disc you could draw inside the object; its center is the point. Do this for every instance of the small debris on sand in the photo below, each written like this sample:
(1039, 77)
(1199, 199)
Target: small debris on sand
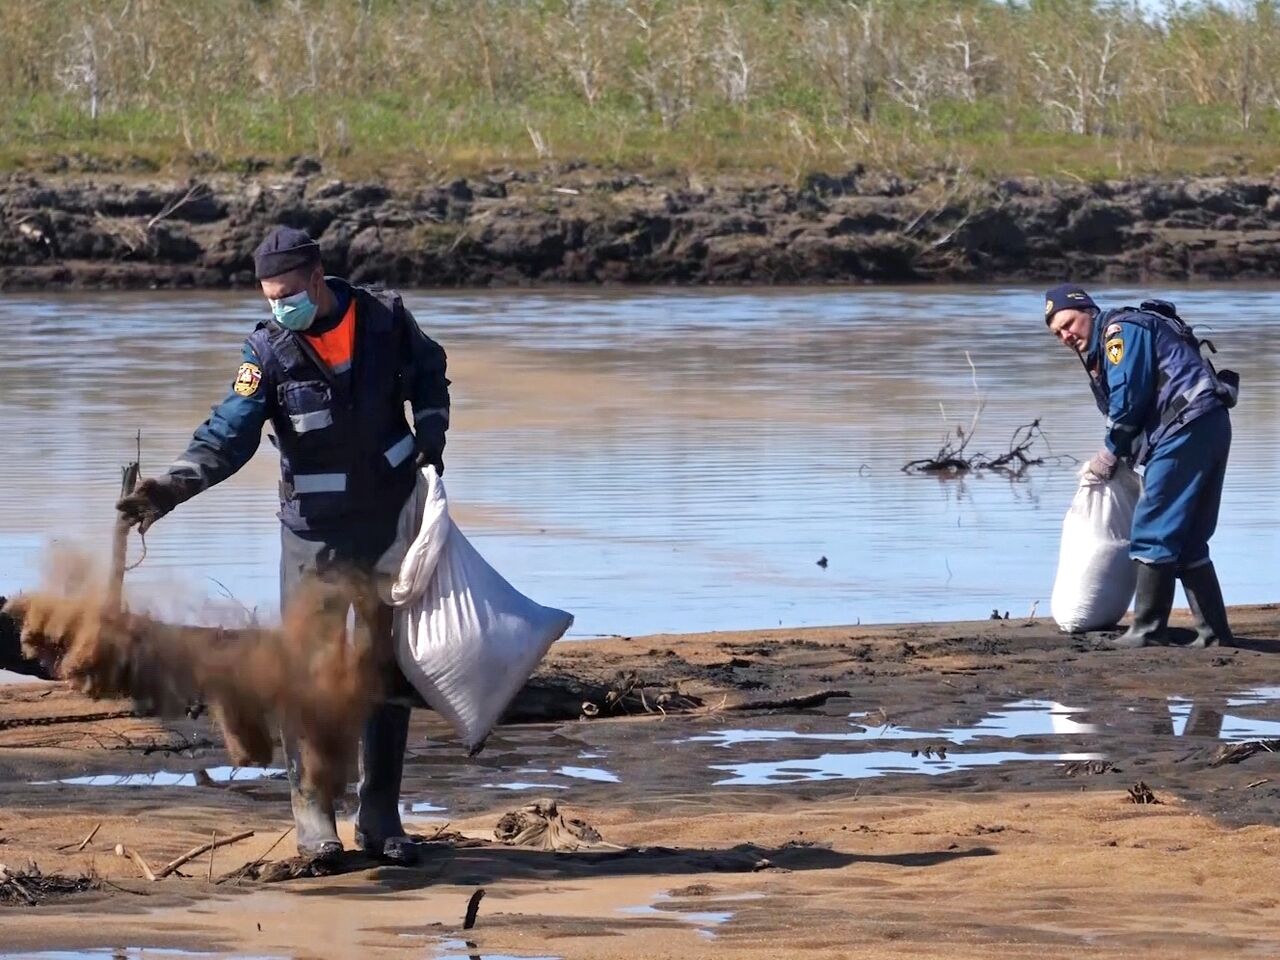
(1089, 768)
(1141, 793)
(31, 886)
(1236, 752)
(540, 826)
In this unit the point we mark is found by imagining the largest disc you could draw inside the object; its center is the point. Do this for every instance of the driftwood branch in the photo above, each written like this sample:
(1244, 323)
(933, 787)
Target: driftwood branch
(9, 879)
(248, 868)
(85, 842)
(791, 703)
(120, 541)
(142, 865)
(473, 908)
(951, 460)
(200, 851)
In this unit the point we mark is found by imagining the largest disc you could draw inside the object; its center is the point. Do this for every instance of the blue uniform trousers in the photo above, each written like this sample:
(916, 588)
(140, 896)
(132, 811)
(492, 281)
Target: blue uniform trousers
(1182, 489)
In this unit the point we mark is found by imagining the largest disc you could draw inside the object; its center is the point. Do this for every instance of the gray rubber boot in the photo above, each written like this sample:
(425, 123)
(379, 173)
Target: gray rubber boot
(1152, 602)
(378, 827)
(315, 825)
(1204, 596)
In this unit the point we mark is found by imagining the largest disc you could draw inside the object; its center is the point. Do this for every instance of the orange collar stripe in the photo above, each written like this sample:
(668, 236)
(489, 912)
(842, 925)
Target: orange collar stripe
(336, 346)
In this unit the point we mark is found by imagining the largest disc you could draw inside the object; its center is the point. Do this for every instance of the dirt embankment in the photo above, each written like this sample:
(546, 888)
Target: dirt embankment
(584, 225)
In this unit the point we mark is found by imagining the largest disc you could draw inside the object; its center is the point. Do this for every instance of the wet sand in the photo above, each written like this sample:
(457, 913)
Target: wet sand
(750, 833)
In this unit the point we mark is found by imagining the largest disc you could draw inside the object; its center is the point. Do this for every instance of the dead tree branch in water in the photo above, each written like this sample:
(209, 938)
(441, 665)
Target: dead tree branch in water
(953, 460)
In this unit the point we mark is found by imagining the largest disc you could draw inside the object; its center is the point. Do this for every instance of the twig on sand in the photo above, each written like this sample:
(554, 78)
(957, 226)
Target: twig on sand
(791, 703)
(212, 848)
(116, 886)
(473, 908)
(123, 851)
(85, 842)
(204, 848)
(439, 833)
(250, 867)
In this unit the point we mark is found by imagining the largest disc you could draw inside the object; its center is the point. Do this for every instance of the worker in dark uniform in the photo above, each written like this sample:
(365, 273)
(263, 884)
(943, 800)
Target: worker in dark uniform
(1166, 408)
(331, 373)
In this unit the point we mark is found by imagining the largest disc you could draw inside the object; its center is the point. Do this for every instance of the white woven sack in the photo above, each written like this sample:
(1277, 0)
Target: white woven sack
(1096, 578)
(465, 638)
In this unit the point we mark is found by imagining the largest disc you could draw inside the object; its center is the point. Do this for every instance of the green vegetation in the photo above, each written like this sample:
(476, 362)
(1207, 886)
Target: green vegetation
(385, 87)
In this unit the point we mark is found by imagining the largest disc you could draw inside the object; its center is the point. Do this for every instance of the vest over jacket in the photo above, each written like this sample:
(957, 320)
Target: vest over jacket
(347, 451)
(1151, 379)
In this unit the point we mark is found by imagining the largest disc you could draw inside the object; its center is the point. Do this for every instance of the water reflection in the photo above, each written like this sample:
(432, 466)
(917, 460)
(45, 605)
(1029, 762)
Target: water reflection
(878, 763)
(653, 460)
(466, 950)
(163, 778)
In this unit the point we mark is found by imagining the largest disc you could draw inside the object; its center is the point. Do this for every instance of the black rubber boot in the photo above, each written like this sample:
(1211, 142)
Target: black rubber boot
(313, 818)
(1204, 596)
(378, 827)
(1152, 602)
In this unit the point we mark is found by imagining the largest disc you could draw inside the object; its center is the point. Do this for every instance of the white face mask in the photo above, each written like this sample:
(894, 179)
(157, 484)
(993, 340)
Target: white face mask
(295, 312)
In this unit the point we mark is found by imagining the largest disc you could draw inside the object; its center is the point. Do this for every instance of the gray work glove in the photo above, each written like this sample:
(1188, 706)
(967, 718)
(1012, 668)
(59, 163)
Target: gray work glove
(1103, 464)
(150, 500)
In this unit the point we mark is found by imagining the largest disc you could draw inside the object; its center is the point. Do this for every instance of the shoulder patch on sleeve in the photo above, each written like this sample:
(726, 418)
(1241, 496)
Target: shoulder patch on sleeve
(247, 379)
(1113, 330)
(1115, 350)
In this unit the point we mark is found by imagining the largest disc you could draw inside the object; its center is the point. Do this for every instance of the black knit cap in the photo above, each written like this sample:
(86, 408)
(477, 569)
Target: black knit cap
(1066, 296)
(284, 249)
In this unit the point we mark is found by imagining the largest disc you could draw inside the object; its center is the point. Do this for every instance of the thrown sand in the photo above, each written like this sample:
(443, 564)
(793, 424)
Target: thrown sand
(308, 678)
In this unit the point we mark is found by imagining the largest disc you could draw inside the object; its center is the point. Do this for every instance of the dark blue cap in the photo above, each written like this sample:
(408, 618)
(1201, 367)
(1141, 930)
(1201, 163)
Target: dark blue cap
(1066, 296)
(284, 249)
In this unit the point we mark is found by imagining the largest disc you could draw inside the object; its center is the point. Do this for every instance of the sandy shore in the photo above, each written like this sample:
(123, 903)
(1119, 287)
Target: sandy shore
(747, 833)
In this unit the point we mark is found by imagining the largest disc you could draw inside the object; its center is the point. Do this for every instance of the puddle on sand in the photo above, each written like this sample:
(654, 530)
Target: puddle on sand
(522, 785)
(1021, 718)
(1254, 696)
(163, 778)
(421, 806)
(1208, 722)
(881, 763)
(704, 920)
(466, 950)
(596, 774)
(589, 773)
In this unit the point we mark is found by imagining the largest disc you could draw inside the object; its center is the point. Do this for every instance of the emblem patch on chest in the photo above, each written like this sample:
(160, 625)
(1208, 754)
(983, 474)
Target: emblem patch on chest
(1115, 350)
(247, 379)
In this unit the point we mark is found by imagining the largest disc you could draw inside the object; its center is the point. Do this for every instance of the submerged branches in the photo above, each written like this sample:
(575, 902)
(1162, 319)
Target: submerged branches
(953, 458)
(1023, 453)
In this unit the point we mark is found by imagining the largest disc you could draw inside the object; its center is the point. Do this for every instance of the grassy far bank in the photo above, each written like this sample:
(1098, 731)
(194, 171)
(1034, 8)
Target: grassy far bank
(1075, 88)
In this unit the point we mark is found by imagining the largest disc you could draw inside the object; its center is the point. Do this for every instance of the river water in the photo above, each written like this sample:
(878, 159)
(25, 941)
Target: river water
(651, 460)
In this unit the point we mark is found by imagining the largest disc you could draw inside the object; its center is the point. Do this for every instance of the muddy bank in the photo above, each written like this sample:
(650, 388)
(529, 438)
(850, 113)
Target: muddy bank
(584, 225)
(962, 792)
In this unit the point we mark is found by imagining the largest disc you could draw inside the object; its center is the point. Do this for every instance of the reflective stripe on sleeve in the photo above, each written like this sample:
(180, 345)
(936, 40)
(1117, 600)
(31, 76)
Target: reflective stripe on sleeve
(431, 412)
(397, 454)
